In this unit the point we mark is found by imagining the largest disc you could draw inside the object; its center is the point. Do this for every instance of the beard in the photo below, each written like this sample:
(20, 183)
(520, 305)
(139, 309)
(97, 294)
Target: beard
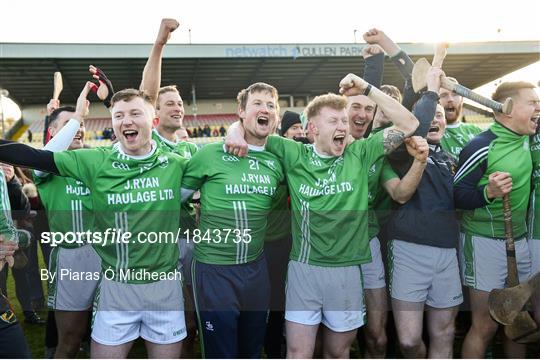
(453, 115)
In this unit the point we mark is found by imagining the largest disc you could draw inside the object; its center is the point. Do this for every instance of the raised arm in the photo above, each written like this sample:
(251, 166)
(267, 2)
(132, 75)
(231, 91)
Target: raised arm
(18, 154)
(374, 64)
(425, 108)
(105, 91)
(400, 59)
(63, 139)
(404, 122)
(151, 79)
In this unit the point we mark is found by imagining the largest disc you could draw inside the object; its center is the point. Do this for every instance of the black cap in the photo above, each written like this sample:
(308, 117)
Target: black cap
(288, 119)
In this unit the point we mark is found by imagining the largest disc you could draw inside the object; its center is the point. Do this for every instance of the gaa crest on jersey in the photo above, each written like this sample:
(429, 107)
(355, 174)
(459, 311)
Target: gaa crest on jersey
(120, 165)
(270, 164)
(230, 158)
(163, 161)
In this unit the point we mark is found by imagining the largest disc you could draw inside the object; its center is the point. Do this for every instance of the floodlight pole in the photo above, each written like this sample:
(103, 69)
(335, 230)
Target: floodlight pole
(2, 112)
(194, 98)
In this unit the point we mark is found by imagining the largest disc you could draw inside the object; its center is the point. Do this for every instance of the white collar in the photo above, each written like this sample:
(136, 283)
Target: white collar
(118, 147)
(250, 147)
(256, 147)
(454, 126)
(172, 143)
(321, 155)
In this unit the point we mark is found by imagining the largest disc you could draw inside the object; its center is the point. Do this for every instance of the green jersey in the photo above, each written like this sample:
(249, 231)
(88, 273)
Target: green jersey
(534, 208)
(69, 206)
(498, 149)
(329, 200)
(7, 229)
(186, 150)
(456, 136)
(379, 201)
(137, 197)
(279, 219)
(236, 196)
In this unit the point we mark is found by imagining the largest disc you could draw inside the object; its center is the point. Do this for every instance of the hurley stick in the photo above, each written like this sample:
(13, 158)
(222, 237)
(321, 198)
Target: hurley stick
(58, 85)
(419, 82)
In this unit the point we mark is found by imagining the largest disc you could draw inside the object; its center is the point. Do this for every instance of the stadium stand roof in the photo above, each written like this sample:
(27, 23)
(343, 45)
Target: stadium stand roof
(219, 71)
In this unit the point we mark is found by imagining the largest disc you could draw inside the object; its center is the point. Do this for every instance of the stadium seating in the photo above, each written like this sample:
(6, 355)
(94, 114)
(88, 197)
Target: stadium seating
(95, 126)
(479, 117)
(211, 120)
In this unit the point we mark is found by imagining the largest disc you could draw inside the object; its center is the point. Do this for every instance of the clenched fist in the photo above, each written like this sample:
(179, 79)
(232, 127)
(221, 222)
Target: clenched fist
(418, 148)
(371, 50)
(352, 85)
(500, 184)
(165, 29)
(374, 36)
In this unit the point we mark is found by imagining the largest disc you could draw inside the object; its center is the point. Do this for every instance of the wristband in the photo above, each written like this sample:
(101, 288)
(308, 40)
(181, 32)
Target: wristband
(368, 89)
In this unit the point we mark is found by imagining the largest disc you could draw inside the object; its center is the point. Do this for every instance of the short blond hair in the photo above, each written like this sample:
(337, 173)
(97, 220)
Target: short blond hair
(242, 96)
(510, 89)
(129, 94)
(333, 101)
(164, 90)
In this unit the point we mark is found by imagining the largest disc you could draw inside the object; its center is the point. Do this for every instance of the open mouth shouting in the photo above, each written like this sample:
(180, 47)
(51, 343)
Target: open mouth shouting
(130, 135)
(360, 123)
(434, 129)
(339, 140)
(263, 120)
(450, 112)
(535, 121)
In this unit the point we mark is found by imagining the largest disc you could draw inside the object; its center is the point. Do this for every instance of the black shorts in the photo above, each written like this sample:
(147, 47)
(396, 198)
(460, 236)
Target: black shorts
(12, 342)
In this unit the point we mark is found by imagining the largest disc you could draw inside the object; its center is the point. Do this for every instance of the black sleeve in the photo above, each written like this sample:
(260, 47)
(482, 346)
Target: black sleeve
(45, 129)
(409, 96)
(400, 160)
(424, 111)
(373, 70)
(373, 73)
(472, 167)
(405, 66)
(18, 154)
(20, 205)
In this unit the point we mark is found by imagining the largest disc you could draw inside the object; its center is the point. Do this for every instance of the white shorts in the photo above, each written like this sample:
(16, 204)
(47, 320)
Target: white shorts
(76, 276)
(373, 271)
(332, 296)
(484, 265)
(534, 249)
(154, 311)
(422, 273)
